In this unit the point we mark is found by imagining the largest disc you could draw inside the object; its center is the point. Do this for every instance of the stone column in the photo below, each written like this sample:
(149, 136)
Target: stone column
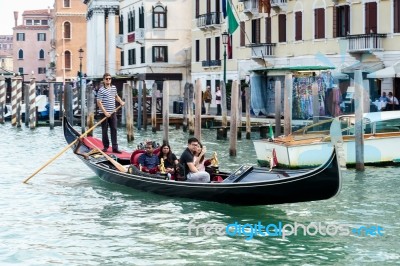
(89, 47)
(111, 42)
(100, 42)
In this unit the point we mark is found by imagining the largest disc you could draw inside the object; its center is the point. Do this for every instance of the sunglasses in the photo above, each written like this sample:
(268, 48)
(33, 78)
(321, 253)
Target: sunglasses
(107, 78)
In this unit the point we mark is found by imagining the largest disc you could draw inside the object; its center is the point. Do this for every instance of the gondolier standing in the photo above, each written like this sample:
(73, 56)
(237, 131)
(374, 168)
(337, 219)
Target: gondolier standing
(106, 97)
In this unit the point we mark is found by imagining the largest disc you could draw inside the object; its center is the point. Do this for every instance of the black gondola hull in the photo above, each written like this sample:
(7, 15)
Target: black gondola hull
(318, 184)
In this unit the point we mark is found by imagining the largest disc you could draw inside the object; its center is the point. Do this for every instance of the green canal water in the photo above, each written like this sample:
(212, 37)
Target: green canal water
(67, 216)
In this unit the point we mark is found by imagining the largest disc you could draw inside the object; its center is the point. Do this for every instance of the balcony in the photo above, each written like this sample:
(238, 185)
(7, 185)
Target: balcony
(250, 7)
(279, 4)
(261, 50)
(209, 20)
(211, 63)
(361, 43)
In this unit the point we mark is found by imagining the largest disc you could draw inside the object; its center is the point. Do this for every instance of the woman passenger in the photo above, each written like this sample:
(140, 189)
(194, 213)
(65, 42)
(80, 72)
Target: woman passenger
(170, 160)
(199, 157)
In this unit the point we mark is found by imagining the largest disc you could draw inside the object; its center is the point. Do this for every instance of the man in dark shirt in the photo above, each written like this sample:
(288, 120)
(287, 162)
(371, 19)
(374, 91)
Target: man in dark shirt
(148, 160)
(192, 174)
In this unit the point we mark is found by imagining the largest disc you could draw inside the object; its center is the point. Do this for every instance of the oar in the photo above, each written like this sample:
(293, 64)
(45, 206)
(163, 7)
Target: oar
(114, 162)
(69, 146)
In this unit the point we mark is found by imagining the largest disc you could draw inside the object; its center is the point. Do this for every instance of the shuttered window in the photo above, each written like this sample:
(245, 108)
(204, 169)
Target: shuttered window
(242, 33)
(217, 48)
(341, 21)
(371, 23)
(282, 27)
(299, 26)
(197, 50)
(396, 15)
(319, 20)
(268, 30)
(255, 31)
(208, 49)
(197, 8)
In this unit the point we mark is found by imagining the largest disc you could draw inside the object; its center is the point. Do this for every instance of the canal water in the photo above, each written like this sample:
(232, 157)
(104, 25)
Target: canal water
(66, 215)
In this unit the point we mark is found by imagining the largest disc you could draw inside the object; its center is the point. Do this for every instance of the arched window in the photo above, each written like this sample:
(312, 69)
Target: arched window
(67, 30)
(20, 54)
(41, 54)
(159, 16)
(67, 58)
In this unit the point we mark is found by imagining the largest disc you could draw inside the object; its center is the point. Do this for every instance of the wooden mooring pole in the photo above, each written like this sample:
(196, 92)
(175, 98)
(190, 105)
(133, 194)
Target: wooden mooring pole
(278, 108)
(51, 105)
(165, 112)
(234, 113)
(185, 106)
(190, 109)
(154, 107)
(248, 122)
(358, 128)
(139, 108)
(91, 107)
(288, 104)
(129, 112)
(197, 120)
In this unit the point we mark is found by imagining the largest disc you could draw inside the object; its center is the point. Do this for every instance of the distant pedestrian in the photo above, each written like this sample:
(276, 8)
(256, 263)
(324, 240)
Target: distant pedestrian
(207, 98)
(106, 98)
(218, 98)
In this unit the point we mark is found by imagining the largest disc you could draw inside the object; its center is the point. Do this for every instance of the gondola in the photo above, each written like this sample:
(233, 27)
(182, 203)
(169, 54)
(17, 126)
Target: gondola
(246, 186)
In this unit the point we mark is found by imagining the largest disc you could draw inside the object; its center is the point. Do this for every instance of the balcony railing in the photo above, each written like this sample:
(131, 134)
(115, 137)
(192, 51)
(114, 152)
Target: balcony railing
(365, 42)
(261, 50)
(209, 19)
(251, 6)
(281, 4)
(278, 3)
(211, 63)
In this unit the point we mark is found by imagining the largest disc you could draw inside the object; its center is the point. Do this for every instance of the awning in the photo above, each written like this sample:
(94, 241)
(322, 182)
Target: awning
(293, 68)
(387, 72)
(367, 67)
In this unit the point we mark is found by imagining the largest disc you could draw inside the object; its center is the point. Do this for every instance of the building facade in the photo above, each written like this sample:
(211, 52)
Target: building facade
(31, 43)
(6, 52)
(150, 41)
(68, 36)
(276, 37)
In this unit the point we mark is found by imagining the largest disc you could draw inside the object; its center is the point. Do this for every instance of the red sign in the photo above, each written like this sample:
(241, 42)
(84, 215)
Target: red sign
(131, 37)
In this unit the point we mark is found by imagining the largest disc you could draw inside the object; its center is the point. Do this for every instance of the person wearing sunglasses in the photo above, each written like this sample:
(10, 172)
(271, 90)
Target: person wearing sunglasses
(106, 97)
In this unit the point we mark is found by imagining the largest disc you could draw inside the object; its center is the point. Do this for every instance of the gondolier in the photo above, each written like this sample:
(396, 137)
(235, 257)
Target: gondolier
(106, 97)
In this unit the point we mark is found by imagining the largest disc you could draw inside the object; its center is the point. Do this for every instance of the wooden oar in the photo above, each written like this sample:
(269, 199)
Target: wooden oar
(69, 146)
(114, 162)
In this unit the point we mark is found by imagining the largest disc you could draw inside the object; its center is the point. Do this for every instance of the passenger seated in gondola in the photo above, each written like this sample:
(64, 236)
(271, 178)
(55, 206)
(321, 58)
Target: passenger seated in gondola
(170, 160)
(148, 161)
(187, 160)
(199, 158)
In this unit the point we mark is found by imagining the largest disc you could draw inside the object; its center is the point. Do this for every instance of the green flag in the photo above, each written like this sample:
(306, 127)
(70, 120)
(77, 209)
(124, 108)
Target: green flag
(271, 132)
(232, 23)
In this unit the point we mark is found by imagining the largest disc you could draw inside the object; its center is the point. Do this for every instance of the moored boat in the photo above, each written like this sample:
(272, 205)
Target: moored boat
(247, 185)
(311, 145)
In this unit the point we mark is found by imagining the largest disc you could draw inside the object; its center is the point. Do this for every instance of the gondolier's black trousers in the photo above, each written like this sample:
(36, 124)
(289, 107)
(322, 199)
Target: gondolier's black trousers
(112, 122)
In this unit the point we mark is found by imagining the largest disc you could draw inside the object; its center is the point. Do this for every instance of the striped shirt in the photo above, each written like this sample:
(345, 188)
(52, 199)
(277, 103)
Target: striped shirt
(107, 97)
